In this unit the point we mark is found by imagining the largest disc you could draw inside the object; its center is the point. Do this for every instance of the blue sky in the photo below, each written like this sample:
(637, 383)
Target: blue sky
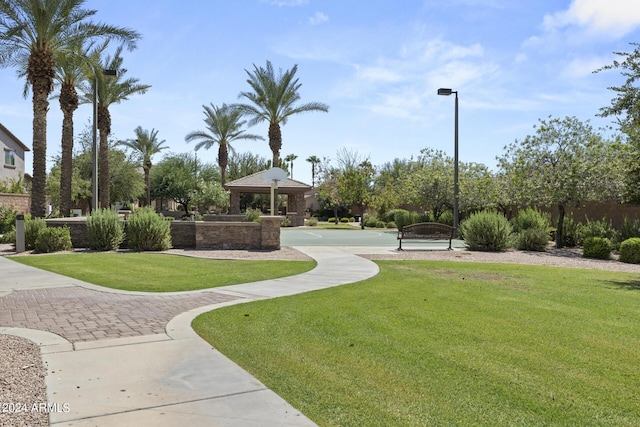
(377, 64)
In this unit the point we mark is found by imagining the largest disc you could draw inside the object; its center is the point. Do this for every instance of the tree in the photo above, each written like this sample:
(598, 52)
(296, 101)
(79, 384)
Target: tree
(289, 159)
(273, 100)
(355, 181)
(223, 127)
(177, 177)
(111, 90)
(328, 194)
(71, 68)
(31, 33)
(314, 160)
(565, 163)
(145, 146)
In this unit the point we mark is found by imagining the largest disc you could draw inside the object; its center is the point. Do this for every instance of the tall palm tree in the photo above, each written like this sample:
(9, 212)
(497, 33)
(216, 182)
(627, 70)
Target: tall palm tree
(145, 146)
(273, 100)
(31, 32)
(71, 69)
(314, 160)
(111, 90)
(224, 126)
(289, 159)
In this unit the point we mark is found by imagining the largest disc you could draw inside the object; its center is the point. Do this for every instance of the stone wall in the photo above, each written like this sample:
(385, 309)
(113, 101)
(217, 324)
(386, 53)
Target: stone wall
(19, 202)
(263, 235)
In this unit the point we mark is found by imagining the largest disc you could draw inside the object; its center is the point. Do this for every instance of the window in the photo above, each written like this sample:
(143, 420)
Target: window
(9, 157)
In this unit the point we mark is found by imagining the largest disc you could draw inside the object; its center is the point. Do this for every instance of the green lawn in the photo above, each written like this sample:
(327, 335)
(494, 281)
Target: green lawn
(162, 272)
(448, 344)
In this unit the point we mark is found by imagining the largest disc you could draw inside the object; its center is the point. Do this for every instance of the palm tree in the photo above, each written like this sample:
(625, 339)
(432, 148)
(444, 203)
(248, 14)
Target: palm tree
(31, 32)
(223, 127)
(273, 100)
(145, 146)
(111, 90)
(71, 68)
(314, 160)
(289, 159)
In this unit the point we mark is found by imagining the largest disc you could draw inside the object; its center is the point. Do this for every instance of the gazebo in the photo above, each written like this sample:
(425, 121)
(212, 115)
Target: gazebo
(258, 184)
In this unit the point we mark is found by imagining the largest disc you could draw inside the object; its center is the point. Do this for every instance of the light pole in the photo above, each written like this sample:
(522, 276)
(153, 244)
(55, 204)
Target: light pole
(94, 145)
(456, 218)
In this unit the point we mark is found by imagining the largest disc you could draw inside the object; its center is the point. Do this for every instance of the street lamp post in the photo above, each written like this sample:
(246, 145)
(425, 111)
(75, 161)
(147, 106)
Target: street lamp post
(94, 145)
(456, 217)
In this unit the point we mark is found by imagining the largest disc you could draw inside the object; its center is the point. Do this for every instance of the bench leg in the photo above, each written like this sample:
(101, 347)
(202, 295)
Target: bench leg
(400, 245)
(450, 248)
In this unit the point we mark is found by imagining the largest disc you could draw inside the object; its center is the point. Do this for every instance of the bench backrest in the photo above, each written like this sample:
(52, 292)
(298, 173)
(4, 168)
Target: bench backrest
(431, 229)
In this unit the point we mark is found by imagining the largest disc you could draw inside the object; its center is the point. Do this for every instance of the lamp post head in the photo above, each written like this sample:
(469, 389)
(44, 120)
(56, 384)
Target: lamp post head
(445, 92)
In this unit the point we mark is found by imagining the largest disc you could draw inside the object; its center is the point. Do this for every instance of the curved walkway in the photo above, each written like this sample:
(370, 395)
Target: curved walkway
(127, 358)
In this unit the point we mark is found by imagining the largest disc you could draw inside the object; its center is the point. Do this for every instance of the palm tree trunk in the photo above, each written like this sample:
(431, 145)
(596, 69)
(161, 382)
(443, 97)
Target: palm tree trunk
(147, 183)
(68, 104)
(40, 73)
(104, 125)
(223, 160)
(275, 143)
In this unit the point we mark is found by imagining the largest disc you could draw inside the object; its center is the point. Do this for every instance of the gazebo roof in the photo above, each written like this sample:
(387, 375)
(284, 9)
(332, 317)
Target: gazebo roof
(258, 183)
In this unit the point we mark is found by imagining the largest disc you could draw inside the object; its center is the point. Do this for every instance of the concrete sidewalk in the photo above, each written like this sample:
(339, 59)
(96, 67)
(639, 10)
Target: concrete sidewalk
(169, 377)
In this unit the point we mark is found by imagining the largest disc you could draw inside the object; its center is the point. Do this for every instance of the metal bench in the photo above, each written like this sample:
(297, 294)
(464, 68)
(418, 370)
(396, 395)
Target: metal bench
(426, 231)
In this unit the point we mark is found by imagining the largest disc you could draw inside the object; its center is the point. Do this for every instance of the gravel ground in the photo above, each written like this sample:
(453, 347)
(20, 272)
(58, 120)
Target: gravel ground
(22, 379)
(22, 386)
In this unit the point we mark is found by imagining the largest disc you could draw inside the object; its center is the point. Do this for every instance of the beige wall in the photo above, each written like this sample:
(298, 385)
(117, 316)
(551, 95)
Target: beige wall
(16, 171)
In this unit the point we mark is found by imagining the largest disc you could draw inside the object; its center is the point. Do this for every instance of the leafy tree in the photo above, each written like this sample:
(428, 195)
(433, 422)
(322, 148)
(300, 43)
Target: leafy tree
(274, 99)
(565, 163)
(328, 195)
(314, 160)
(145, 146)
(32, 32)
(355, 181)
(111, 90)
(245, 164)
(223, 127)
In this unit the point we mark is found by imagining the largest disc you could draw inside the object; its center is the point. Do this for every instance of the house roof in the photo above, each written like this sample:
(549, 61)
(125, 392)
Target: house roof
(15, 138)
(258, 181)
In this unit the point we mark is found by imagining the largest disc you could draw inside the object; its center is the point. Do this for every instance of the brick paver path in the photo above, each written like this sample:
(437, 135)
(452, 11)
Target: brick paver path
(80, 314)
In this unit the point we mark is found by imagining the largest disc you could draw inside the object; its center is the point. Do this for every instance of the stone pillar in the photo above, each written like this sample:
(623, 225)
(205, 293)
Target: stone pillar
(270, 232)
(234, 207)
(300, 208)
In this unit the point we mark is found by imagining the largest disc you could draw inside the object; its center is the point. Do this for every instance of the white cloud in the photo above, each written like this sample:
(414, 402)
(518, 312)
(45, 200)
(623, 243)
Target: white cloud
(612, 17)
(318, 18)
(581, 67)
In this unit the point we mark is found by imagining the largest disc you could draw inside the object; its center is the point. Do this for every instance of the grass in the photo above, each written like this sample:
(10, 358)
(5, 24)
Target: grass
(162, 272)
(444, 343)
(333, 226)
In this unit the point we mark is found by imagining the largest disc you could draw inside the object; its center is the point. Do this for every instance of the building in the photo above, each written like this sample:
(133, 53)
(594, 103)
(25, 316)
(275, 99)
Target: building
(13, 156)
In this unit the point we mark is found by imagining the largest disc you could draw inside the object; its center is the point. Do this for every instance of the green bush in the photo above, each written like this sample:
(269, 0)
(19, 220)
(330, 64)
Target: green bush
(391, 224)
(7, 219)
(285, 222)
(628, 230)
(601, 228)
(312, 222)
(252, 215)
(446, 218)
(105, 230)
(344, 220)
(596, 247)
(486, 231)
(31, 229)
(630, 250)
(381, 224)
(352, 219)
(53, 239)
(402, 218)
(531, 230)
(371, 221)
(331, 220)
(148, 231)
(570, 231)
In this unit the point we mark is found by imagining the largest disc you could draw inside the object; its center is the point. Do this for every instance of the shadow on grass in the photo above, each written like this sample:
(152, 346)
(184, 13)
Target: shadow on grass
(630, 285)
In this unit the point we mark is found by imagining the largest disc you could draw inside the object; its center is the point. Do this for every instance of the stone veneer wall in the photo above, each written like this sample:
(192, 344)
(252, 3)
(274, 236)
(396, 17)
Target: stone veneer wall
(19, 202)
(197, 234)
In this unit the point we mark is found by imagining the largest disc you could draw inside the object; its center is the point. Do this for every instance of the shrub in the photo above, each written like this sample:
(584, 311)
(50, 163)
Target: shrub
(312, 222)
(597, 247)
(570, 231)
(53, 239)
(628, 230)
(531, 228)
(7, 219)
(148, 231)
(401, 218)
(352, 219)
(486, 231)
(391, 224)
(381, 224)
(105, 230)
(285, 222)
(630, 250)
(601, 228)
(331, 220)
(370, 221)
(31, 229)
(252, 215)
(446, 218)
(344, 220)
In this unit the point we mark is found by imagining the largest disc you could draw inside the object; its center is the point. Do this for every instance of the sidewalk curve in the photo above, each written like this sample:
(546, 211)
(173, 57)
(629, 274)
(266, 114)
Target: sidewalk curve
(171, 377)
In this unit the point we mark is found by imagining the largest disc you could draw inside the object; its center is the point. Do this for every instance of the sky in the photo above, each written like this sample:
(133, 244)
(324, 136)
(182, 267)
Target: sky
(377, 63)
